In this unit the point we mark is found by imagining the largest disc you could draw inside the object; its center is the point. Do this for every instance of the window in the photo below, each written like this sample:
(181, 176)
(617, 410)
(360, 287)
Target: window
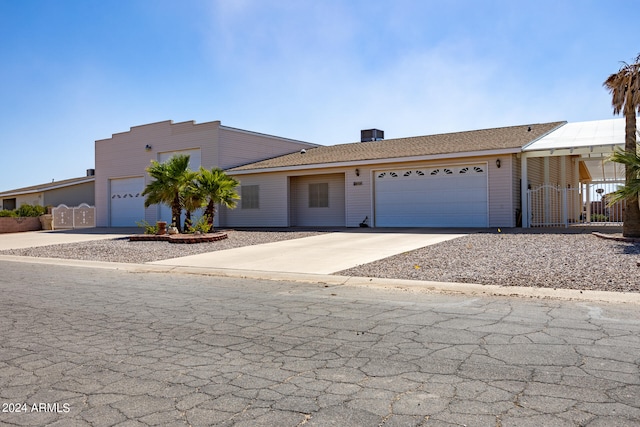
(250, 197)
(319, 195)
(9, 204)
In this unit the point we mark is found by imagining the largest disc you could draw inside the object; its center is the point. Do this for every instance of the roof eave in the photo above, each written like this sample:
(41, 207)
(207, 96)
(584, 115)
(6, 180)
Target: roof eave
(43, 189)
(351, 163)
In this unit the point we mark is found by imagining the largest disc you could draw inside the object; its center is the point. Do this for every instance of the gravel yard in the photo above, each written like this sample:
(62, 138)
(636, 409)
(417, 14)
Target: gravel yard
(122, 250)
(570, 261)
(555, 260)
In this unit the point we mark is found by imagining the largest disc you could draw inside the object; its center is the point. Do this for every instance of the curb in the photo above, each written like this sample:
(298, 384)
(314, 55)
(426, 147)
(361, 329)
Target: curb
(471, 289)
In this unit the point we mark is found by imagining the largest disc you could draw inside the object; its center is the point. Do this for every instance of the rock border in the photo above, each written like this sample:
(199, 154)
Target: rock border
(179, 238)
(616, 238)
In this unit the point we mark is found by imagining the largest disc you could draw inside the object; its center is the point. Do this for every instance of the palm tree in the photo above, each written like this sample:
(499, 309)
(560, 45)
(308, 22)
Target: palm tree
(631, 189)
(169, 180)
(624, 87)
(192, 199)
(216, 187)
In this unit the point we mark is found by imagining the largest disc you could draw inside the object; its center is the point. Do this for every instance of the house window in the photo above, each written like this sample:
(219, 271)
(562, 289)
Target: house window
(319, 195)
(250, 197)
(9, 204)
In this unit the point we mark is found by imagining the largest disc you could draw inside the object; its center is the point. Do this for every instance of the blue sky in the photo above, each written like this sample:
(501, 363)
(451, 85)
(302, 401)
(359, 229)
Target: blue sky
(76, 71)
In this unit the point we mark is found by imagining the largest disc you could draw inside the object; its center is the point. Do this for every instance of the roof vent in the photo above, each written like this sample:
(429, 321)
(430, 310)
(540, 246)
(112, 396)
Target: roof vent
(91, 172)
(371, 135)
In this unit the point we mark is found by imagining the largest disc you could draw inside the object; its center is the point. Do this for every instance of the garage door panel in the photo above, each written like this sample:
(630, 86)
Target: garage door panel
(126, 201)
(447, 196)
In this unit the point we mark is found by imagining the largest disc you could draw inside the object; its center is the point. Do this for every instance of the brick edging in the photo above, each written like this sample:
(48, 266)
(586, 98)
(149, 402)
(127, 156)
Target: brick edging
(179, 238)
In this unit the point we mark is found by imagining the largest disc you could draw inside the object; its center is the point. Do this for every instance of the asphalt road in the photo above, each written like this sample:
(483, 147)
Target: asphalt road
(90, 347)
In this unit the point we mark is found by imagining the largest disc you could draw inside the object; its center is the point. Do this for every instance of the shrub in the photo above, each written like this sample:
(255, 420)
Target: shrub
(31, 210)
(148, 228)
(202, 225)
(24, 211)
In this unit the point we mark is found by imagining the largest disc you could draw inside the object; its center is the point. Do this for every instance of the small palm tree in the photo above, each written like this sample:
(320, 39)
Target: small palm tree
(169, 180)
(624, 87)
(216, 187)
(192, 199)
(631, 189)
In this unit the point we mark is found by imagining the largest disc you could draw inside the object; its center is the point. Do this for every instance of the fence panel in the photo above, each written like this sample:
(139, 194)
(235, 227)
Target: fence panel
(82, 216)
(62, 217)
(553, 206)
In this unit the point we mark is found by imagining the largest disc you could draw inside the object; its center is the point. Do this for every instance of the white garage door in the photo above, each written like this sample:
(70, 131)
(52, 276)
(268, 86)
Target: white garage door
(127, 201)
(444, 196)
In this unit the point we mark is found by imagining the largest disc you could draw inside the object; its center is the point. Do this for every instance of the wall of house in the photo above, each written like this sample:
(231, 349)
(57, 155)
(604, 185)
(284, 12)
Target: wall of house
(239, 147)
(30, 199)
(124, 155)
(71, 196)
(273, 203)
(359, 191)
(303, 215)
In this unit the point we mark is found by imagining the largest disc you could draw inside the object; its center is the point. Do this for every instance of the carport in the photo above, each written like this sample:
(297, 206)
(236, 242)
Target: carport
(566, 175)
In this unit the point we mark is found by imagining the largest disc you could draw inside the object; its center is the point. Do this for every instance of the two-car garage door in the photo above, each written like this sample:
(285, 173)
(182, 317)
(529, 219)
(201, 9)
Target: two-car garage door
(444, 196)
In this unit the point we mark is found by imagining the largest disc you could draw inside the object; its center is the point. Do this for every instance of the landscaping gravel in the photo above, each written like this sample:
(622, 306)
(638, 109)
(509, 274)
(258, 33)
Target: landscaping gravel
(570, 261)
(122, 250)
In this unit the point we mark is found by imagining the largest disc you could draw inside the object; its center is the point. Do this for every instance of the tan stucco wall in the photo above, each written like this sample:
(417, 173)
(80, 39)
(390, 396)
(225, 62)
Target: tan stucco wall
(71, 196)
(359, 190)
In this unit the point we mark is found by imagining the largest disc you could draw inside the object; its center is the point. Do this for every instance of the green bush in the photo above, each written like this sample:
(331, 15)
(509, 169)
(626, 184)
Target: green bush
(24, 210)
(148, 228)
(202, 225)
(31, 210)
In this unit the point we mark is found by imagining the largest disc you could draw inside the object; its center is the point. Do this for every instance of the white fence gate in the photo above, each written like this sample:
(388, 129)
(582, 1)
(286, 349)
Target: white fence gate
(553, 206)
(82, 216)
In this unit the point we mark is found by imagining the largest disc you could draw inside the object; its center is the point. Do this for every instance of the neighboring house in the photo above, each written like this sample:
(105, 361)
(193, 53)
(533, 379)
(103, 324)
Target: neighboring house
(462, 179)
(70, 192)
(122, 159)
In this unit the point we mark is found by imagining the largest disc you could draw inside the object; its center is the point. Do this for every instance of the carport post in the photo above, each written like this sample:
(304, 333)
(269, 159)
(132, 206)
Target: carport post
(524, 187)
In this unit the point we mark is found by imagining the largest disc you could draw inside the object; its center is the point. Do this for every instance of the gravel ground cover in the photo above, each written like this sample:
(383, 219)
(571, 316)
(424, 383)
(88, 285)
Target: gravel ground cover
(570, 261)
(122, 250)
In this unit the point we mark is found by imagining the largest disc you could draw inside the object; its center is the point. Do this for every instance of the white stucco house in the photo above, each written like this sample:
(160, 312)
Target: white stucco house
(120, 162)
(479, 178)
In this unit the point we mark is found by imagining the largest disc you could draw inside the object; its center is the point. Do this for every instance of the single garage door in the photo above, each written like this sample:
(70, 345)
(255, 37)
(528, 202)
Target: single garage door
(127, 201)
(444, 196)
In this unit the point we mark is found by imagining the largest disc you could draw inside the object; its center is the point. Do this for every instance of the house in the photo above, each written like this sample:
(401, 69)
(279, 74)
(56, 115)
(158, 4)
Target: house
(122, 159)
(530, 175)
(70, 192)
(480, 178)
(461, 179)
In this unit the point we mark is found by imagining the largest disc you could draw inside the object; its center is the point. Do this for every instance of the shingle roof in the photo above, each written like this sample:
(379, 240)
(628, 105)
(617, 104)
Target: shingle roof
(513, 137)
(48, 186)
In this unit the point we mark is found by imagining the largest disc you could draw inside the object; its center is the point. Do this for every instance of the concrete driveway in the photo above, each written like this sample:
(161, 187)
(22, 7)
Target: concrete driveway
(32, 239)
(323, 254)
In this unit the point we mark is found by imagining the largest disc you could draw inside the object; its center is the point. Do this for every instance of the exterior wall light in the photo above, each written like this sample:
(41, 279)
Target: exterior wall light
(147, 147)
(498, 163)
(357, 172)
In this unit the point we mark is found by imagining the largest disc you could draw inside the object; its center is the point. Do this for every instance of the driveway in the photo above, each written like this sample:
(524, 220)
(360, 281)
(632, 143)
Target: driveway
(32, 239)
(323, 254)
